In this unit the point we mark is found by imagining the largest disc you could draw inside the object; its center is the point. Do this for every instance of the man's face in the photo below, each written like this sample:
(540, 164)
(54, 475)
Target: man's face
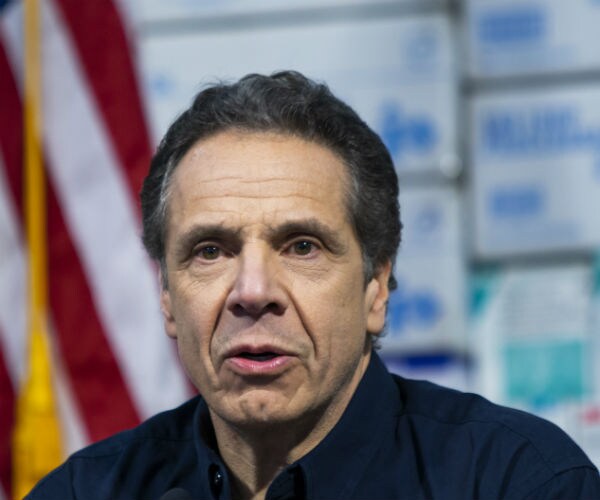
(266, 294)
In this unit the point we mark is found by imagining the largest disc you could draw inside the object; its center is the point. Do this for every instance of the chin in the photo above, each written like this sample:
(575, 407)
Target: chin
(264, 413)
(260, 410)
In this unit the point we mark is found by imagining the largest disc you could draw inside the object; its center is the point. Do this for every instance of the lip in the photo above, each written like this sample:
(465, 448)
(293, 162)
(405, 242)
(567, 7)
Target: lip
(236, 359)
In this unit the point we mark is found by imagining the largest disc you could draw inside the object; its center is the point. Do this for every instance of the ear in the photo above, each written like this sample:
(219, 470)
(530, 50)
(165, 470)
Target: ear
(376, 297)
(166, 308)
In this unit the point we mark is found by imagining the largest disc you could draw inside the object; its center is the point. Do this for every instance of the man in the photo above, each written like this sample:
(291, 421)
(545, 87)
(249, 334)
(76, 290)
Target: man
(272, 210)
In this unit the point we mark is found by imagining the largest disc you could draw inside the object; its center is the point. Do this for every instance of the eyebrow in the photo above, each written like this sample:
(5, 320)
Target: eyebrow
(310, 226)
(276, 234)
(186, 241)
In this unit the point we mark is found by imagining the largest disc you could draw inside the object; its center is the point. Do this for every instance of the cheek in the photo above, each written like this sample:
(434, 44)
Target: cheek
(191, 341)
(338, 322)
(196, 319)
(199, 306)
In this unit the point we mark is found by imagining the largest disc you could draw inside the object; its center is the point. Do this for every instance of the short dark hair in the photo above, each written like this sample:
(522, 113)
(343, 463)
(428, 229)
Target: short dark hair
(289, 103)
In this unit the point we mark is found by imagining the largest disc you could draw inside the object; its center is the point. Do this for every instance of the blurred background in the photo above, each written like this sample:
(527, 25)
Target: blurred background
(490, 108)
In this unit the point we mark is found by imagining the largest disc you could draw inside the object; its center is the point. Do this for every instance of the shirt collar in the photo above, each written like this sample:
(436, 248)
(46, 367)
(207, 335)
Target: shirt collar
(333, 468)
(213, 476)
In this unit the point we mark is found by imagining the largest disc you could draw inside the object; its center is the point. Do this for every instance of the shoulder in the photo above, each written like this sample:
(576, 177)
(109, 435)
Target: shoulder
(92, 471)
(511, 449)
(169, 426)
(450, 409)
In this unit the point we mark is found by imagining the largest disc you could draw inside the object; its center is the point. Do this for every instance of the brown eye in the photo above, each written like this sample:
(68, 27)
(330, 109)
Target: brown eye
(303, 247)
(210, 252)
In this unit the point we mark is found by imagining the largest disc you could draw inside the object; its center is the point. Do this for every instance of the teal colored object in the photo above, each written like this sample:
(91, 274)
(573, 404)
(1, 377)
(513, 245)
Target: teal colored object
(482, 285)
(541, 373)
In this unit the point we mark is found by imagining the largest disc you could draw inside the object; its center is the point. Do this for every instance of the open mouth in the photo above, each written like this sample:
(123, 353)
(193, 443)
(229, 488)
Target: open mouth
(260, 356)
(259, 361)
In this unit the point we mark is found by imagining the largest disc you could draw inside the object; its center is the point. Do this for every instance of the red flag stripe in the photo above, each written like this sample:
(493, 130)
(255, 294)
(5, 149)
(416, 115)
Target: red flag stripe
(7, 403)
(95, 375)
(81, 337)
(101, 216)
(11, 132)
(92, 108)
(11, 128)
(105, 56)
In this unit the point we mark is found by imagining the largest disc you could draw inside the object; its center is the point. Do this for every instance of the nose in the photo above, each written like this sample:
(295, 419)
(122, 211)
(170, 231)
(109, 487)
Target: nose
(257, 289)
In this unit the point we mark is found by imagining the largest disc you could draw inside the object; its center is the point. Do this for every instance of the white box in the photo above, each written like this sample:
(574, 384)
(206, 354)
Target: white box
(523, 37)
(399, 74)
(428, 310)
(158, 10)
(536, 170)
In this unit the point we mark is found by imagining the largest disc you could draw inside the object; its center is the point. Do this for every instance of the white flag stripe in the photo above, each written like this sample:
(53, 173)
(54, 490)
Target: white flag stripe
(11, 37)
(129, 12)
(99, 213)
(131, 18)
(101, 216)
(13, 313)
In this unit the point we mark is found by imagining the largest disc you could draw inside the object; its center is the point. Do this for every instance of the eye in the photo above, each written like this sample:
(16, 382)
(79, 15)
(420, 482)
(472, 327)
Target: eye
(303, 247)
(209, 252)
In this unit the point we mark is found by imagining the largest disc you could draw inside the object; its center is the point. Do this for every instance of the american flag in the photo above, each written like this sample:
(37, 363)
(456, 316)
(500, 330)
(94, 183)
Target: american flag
(112, 364)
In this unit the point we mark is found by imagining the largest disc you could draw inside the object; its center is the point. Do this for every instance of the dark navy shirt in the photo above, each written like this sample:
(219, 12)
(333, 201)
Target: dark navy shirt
(398, 439)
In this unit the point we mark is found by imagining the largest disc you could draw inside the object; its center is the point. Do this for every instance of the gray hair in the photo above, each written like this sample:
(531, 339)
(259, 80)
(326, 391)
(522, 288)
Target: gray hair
(288, 103)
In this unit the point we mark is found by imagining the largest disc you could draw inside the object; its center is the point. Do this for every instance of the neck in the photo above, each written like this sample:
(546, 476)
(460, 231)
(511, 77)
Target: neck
(255, 458)
(255, 454)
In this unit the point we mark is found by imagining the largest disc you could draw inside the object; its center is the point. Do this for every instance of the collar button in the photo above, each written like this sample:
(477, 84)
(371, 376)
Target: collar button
(217, 479)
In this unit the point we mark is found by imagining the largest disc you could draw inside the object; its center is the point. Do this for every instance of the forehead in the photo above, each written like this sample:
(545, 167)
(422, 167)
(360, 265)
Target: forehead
(238, 173)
